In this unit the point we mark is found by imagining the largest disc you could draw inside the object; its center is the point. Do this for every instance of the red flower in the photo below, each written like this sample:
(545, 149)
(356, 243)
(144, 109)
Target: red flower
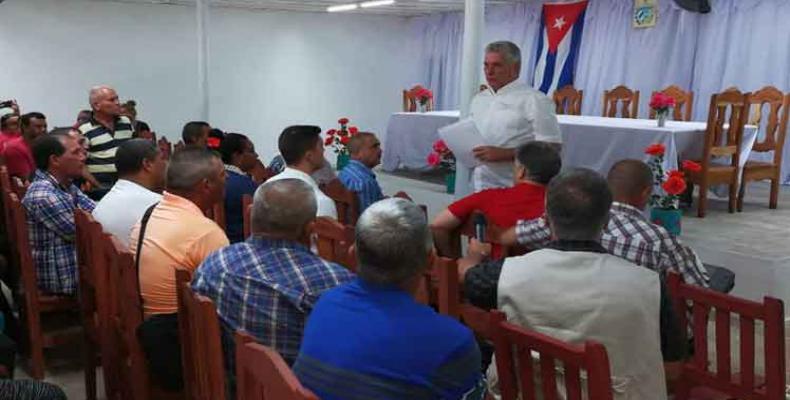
(342, 121)
(433, 159)
(331, 132)
(674, 185)
(691, 166)
(656, 149)
(328, 141)
(353, 130)
(675, 173)
(440, 146)
(344, 140)
(213, 142)
(661, 101)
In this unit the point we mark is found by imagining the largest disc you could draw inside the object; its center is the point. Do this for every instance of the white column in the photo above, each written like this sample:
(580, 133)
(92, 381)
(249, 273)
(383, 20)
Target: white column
(202, 58)
(472, 58)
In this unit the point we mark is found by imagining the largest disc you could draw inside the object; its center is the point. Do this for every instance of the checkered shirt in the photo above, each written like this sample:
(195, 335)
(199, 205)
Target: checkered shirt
(266, 288)
(50, 221)
(631, 236)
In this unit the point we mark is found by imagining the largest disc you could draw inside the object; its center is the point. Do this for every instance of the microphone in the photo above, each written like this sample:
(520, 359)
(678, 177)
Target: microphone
(480, 227)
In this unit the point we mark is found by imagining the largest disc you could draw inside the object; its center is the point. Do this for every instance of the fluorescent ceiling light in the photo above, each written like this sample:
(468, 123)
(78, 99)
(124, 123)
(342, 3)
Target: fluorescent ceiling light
(342, 7)
(376, 3)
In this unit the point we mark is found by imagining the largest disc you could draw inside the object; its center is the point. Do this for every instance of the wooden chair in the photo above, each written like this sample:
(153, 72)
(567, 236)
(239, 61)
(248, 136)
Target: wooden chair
(774, 140)
(217, 213)
(262, 374)
(698, 380)
(410, 102)
(627, 97)
(19, 186)
(36, 303)
(246, 215)
(346, 201)
(515, 348)
(467, 230)
(683, 103)
(334, 240)
(568, 100)
(721, 141)
(201, 349)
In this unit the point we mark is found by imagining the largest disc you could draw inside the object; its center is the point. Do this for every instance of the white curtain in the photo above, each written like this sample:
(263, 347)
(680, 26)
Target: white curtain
(743, 43)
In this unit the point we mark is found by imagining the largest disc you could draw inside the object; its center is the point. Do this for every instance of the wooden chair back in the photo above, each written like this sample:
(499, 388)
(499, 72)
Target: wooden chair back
(334, 240)
(468, 230)
(19, 186)
(439, 287)
(410, 101)
(722, 140)
(627, 98)
(34, 302)
(346, 201)
(698, 371)
(683, 103)
(517, 368)
(201, 348)
(568, 100)
(126, 316)
(775, 127)
(262, 374)
(246, 215)
(217, 213)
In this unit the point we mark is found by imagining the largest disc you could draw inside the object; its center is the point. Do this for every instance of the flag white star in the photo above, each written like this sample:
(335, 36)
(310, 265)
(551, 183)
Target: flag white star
(559, 22)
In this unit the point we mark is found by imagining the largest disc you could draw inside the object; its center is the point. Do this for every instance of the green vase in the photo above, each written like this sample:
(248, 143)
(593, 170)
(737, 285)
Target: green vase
(342, 160)
(449, 182)
(668, 218)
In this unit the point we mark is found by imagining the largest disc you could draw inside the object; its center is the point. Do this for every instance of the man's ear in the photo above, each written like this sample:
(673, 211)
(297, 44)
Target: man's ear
(307, 233)
(148, 165)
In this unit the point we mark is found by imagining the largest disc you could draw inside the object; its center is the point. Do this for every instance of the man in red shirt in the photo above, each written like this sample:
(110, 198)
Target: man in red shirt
(535, 164)
(17, 154)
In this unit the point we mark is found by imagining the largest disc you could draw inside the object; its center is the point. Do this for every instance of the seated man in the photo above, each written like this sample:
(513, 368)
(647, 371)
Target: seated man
(17, 152)
(575, 291)
(303, 151)
(174, 234)
(238, 154)
(535, 164)
(141, 178)
(628, 234)
(268, 284)
(50, 202)
(358, 176)
(323, 176)
(371, 339)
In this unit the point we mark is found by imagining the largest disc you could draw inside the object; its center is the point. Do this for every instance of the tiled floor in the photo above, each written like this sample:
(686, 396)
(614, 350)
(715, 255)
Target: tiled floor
(759, 233)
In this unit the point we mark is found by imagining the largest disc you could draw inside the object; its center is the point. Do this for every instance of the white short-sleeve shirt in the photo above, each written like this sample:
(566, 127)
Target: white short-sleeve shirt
(326, 206)
(511, 117)
(122, 207)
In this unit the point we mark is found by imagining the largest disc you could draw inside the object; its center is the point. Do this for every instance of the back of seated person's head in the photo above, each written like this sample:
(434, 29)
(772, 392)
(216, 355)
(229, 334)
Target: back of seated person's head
(393, 243)
(283, 209)
(577, 205)
(84, 116)
(237, 149)
(195, 133)
(538, 162)
(196, 173)
(631, 182)
(300, 143)
(143, 130)
(141, 160)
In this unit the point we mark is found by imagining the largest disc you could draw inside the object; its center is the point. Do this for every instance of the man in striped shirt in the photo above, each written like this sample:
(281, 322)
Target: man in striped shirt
(104, 132)
(358, 176)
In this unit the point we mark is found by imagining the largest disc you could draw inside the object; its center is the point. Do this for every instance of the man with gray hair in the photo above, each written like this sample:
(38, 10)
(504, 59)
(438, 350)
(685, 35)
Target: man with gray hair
(373, 329)
(268, 284)
(508, 114)
(104, 132)
(575, 291)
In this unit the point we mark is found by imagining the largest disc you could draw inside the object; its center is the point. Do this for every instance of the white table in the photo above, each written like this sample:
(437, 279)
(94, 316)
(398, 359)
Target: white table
(588, 141)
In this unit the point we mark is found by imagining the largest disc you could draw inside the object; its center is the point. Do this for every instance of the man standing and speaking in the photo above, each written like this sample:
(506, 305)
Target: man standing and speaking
(508, 114)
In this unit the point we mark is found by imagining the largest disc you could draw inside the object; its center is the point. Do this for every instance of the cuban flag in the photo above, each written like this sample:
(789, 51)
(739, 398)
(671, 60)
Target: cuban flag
(561, 27)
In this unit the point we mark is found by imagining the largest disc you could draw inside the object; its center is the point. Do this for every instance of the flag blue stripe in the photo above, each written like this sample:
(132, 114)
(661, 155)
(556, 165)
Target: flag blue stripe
(548, 75)
(566, 76)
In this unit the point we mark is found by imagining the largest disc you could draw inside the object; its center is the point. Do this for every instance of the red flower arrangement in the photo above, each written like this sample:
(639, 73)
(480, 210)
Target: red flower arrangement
(661, 102)
(673, 182)
(441, 156)
(339, 138)
(422, 94)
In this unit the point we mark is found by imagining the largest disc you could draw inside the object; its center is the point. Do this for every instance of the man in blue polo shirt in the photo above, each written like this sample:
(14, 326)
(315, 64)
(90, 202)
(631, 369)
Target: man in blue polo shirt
(239, 157)
(358, 176)
(370, 339)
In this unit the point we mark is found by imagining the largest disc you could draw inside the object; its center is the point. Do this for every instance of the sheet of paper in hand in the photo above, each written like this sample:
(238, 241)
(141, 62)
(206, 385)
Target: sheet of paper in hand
(461, 137)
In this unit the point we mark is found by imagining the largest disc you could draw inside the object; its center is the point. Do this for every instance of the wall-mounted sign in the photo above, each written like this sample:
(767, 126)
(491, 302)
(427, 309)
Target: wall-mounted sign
(645, 13)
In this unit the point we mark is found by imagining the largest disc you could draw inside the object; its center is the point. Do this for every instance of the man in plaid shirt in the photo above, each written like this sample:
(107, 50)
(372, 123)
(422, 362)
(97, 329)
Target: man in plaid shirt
(629, 234)
(268, 284)
(50, 202)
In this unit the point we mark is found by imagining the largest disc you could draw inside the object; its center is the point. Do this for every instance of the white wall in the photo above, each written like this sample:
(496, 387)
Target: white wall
(267, 69)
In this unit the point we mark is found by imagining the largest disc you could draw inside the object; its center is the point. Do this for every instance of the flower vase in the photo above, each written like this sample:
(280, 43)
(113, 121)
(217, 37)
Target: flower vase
(669, 218)
(342, 160)
(422, 107)
(449, 182)
(662, 118)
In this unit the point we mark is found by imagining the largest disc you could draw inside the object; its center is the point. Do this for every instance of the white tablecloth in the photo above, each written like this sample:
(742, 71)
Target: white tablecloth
(588, 141)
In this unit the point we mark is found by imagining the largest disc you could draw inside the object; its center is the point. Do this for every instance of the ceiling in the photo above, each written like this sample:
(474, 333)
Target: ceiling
(400, 8)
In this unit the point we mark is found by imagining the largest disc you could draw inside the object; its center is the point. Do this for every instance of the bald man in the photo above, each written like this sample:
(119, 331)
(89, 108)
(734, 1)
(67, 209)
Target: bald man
(629, 234)
(104, 132)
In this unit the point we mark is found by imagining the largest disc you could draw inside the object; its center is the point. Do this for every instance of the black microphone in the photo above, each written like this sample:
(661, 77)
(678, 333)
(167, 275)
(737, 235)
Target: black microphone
(480, 227)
